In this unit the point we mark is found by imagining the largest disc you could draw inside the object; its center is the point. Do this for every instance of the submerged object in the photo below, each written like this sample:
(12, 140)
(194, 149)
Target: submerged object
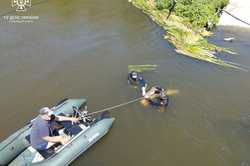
(159, 101)
(157, 96)
(229, 39)
(16, 149)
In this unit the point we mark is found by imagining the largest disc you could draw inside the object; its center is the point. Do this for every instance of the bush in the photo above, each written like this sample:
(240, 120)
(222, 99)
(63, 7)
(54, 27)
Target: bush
(198, 12)
(162, 4)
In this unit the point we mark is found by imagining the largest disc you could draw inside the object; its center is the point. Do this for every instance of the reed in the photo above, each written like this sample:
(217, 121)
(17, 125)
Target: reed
(142, 68)
(189, 40)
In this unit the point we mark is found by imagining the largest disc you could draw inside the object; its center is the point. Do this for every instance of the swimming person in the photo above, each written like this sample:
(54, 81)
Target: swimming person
(135, 78)
(40, 135)
(157, 96)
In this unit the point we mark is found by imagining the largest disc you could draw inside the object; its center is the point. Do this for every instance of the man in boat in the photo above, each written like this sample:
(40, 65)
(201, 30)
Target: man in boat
(157, 96)
(40, 135)
(136, 78)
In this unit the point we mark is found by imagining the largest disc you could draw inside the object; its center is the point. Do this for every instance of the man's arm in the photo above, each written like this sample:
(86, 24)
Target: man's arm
(65, 118)
(54, 139)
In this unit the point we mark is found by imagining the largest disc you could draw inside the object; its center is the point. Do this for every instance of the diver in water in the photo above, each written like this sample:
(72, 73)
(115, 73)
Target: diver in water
(157, 96)
(135, 78)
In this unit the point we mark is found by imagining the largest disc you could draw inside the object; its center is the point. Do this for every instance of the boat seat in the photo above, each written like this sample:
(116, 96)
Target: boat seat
(49, 152)
(37, 156)
(44, 153)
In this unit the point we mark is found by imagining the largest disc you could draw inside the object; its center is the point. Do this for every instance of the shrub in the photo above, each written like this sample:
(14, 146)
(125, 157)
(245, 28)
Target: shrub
(198, 12)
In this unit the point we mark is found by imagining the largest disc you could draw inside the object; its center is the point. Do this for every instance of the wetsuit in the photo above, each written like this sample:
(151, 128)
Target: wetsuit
(137, 79)
(160, 98)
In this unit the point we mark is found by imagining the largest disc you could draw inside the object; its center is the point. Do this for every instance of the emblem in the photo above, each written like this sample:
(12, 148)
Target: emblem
(21, 5)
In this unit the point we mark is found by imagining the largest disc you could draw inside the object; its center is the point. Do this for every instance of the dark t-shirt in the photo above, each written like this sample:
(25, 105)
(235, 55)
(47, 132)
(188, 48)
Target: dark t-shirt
(40, 129)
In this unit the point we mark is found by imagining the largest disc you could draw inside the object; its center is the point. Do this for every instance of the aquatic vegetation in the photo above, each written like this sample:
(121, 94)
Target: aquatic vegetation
(141, 68)
(186, 36)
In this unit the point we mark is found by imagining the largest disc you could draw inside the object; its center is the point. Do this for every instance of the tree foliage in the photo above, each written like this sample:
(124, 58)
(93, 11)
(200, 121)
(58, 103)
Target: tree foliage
(188, 39)
(198, 12)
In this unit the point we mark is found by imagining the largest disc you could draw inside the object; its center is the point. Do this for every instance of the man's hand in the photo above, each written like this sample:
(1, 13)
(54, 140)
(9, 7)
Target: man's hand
(75, 120)
(64, 140)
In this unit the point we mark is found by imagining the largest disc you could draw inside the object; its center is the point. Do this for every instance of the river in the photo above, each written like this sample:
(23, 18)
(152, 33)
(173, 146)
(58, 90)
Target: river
(83, 48)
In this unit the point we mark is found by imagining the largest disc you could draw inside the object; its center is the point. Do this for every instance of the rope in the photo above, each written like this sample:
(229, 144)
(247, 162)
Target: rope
(116, 106)
(235, 17)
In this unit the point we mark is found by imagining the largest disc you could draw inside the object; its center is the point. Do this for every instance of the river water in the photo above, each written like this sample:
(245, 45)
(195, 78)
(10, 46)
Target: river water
(82, 48)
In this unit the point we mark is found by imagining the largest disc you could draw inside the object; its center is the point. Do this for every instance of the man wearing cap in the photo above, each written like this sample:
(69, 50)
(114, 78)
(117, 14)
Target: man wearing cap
(40, 132)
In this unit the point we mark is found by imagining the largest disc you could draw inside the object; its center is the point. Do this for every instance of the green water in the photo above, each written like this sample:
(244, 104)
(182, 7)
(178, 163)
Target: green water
(82, 48)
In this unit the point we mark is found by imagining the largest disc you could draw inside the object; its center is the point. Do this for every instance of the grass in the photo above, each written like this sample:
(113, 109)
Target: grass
(187, 39)
(142, 68)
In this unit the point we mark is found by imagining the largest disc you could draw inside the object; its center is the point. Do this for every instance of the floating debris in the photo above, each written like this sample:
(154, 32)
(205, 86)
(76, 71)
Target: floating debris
(229, 39)
(141, 68)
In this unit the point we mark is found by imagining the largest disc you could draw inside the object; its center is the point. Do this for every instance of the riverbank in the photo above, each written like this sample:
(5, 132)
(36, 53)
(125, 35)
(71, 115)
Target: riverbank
(188, 40)
(238, 8)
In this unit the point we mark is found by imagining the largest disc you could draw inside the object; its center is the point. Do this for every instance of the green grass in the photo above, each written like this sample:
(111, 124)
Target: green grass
(188, 39)
(142, 68)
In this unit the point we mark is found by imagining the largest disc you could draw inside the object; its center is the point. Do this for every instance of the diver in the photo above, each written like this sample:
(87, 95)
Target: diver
(156, 96)
(40, 135)
(135, 78)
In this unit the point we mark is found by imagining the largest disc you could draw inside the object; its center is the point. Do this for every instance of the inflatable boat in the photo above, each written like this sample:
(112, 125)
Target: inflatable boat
(16, 149)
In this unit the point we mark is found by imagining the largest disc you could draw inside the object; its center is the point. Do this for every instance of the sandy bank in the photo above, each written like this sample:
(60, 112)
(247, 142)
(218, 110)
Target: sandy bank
(240, 9)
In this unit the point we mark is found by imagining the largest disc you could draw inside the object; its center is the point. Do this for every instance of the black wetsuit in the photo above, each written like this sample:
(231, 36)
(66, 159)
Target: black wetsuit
(161, 99)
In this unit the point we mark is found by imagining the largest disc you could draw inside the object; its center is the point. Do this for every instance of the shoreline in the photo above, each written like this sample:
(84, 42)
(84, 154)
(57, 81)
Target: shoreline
(238, 8)
(187, 39)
